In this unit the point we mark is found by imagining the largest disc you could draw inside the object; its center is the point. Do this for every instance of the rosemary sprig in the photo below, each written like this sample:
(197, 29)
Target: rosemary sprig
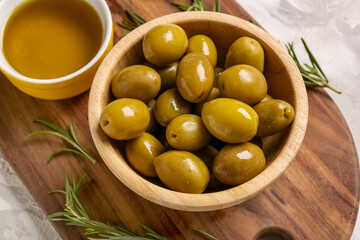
(313, 75)
(75, 215)
(133, 22)
(68, 137)
(197, 5)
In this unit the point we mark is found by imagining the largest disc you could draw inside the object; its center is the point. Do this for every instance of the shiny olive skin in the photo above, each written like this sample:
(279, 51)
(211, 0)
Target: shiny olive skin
(274, 116)
(236, 164)
(164, 44)
(187, 132)
(195, 77)
(153, 124)
(137, 81)
(207, 155)
(217, 72)
(203, 44)
(169, 105)
(266, 98)
(215, 93)
(230, 120)
(141, 153)
(125, 119)
(244, 83)
(182, 171)
(168, 76)
(246, 50)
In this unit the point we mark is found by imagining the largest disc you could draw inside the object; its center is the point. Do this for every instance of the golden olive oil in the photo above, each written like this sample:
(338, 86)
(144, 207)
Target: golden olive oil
(47, 39)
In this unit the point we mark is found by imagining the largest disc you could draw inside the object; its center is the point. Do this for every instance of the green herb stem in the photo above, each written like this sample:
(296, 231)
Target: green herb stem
(205, 234)
(71, 139)
(134, 21)
(217, 6)
(313, 75)
(75, 215)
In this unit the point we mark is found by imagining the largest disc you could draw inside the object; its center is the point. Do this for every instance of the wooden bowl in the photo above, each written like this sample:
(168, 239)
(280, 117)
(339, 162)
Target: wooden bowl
(284, 82)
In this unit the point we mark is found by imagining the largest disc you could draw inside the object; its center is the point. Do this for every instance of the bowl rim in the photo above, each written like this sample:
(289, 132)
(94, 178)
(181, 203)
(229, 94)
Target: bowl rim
(204, 201)
(104, 13)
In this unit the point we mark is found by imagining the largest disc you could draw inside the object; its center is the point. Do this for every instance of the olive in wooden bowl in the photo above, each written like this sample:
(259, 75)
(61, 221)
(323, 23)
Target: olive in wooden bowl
(284, 82)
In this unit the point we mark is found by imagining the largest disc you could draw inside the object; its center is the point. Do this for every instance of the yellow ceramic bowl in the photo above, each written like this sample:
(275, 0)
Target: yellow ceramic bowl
(63, 87)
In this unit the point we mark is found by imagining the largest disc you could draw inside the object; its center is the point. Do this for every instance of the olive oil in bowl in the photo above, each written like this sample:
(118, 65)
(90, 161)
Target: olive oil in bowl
(46, 39)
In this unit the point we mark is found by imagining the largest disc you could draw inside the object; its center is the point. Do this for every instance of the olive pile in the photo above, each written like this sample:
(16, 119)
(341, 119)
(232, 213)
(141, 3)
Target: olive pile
(188, 122)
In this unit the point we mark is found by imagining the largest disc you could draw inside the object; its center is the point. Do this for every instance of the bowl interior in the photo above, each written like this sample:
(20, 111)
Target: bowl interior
(283, 83)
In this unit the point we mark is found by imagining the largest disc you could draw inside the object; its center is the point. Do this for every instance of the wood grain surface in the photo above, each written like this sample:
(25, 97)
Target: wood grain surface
(316, 198)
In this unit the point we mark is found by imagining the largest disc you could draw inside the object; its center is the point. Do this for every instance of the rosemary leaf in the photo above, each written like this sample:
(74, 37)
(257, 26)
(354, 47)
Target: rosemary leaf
(313, 59)
(74, 214)
(57, 191)
(197, 5)
(141, 19)
(130, 28)
(64, 150)
(71, 139)
(137, 21)
(53, 126)
(181, 6)
(134, 21)
(72, 132)
(313, 75)
(208, 236)
(217, 6)
(131, 23)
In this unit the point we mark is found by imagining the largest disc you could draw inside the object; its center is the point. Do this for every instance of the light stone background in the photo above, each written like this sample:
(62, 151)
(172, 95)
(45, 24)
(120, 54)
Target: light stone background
(331, 29)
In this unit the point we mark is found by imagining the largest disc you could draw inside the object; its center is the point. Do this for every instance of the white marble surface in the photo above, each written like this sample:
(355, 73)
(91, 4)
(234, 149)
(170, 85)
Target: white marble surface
(331, 29)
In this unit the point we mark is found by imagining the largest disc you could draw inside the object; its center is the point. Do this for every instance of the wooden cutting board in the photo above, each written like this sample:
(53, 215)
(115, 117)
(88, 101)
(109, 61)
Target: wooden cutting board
(316, 198)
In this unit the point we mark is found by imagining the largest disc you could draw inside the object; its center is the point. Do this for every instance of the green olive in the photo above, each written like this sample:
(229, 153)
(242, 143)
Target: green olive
(195, 77)
(236, 164)
(168, 76)
(244, 83)
(125, 119)
(169, 105)
(141, 153)
(203, 44)
(137, 81)
(274, 116)
(215, 93)
(153, 125)
(266, 98)
(207, 155)
(246, 50)
(164, 44)
(217, 72)
(187, 132)
(230, 120)
(182, 171)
